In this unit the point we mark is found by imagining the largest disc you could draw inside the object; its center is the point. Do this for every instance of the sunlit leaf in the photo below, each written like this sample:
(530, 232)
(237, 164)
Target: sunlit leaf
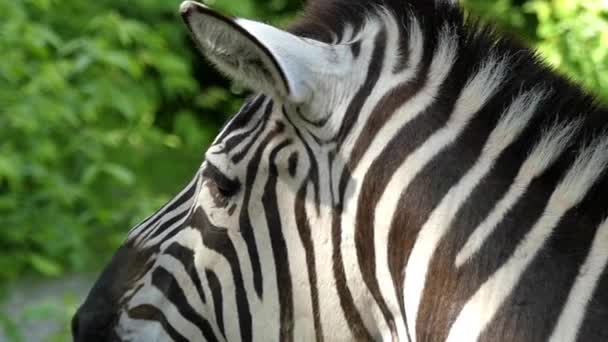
(45, 265)
(119, 173)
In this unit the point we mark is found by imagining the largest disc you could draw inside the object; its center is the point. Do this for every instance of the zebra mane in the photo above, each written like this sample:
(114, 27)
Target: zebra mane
(326, 19)
(330, 20)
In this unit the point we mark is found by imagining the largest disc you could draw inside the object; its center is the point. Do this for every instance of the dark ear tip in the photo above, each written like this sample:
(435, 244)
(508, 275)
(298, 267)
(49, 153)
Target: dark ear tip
(188, 7)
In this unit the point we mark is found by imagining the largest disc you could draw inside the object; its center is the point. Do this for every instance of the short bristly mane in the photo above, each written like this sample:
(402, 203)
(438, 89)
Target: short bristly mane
(564, 100)
(326, 20)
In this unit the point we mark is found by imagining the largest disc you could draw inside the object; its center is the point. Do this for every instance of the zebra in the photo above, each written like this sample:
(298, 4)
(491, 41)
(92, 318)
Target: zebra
(401, 173)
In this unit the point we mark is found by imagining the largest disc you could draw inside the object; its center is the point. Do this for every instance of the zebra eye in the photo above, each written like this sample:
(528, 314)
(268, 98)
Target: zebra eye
(227, 188)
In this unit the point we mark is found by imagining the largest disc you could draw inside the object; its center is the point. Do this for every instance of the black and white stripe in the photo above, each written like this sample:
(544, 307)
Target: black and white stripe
(404, 175)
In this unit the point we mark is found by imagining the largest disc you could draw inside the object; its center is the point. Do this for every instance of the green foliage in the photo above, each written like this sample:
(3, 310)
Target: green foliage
(106, 111)
(81, 87)
(571, 35)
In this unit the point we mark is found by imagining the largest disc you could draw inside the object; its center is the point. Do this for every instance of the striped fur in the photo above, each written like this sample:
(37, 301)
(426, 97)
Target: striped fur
(441, 184)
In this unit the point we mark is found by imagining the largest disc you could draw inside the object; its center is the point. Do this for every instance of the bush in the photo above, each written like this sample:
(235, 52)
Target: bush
(81, 89)
(105, 113)
(571, 35)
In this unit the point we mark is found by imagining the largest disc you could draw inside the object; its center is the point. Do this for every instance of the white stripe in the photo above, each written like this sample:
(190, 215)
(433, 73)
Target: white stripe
(439, 69)
(286, 188)
(135, 232)
(389, 82)
(176, 268)
(154, 297)
(475, 94)
(231, 132)
(571, 318)
(221, 267)
(372, 317)
(333, 322)
(248, 139)
(403, 115)
(442, 63)
(480, 310)
(185, 210)
(268, 306)
(544, 154)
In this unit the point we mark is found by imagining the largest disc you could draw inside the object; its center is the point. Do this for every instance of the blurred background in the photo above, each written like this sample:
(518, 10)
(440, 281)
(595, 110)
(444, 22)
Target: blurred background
(106, 110)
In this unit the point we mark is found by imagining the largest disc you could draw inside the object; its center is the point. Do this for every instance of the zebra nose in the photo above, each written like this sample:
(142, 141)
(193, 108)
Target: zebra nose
(92, 326)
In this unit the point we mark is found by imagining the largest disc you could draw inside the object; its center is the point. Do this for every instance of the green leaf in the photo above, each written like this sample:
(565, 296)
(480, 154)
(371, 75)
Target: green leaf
(119, 173)
(45, 265)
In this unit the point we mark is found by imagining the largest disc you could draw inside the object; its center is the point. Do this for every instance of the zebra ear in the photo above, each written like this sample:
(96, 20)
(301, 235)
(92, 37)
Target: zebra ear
(262, 57)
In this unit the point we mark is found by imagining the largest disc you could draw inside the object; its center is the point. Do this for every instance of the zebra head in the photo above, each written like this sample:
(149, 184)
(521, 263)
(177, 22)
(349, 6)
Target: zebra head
(246, 251)
(401, 174)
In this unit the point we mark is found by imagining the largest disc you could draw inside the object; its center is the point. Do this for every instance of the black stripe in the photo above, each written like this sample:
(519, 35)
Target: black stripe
(279, 246)
(218, 302)
(372, 75)
(482, 200)
(265, 119)
(309, 250)
(405, 50)
(494, 252)
(236, 140)
(355, 48)
(185, 197)
(377, 177)
(243, 117)
(381, 113)
(244, 221)
(544, 286)
(151, 313)
(444, 171)
(409, 138)
(347, 304)
(186, 257)
(167, 224)
(593, 327)
(293, 164)
(166, 283)
(217, 239)
(313, 173)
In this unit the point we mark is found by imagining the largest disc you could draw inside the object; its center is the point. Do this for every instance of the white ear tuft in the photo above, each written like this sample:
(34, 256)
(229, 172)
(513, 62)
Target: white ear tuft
(265, 58)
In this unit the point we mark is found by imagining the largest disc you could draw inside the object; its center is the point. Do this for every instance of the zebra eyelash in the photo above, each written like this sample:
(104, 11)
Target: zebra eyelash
(226, 186)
